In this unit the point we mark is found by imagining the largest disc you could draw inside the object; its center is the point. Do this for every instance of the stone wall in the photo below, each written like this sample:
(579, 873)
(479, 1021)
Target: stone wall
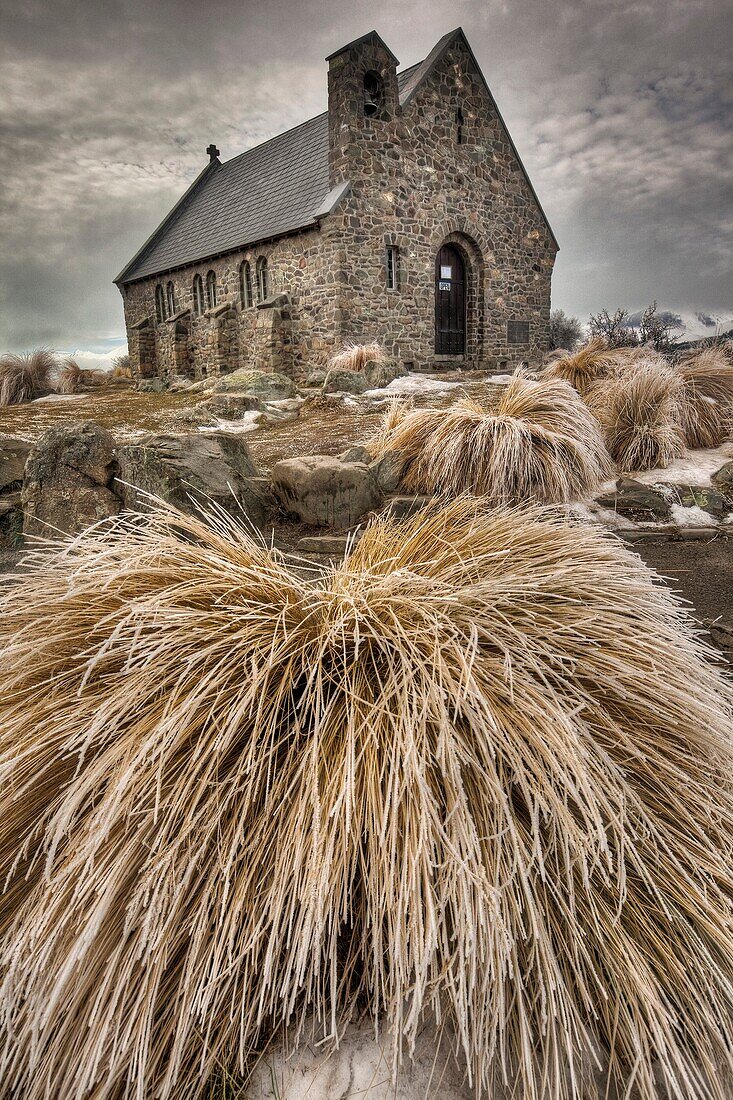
(229, 335)
(414, 186)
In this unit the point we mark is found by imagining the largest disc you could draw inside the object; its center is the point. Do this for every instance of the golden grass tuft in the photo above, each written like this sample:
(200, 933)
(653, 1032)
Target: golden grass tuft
(538, 443)
(75, 379)
(640, 411)
(355, 356)
(707, 405)
(122, 367)
(483, 765)
(25, 377)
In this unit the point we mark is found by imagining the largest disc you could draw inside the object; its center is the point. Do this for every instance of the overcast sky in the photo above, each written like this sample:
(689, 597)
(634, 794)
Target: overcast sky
(622, 113)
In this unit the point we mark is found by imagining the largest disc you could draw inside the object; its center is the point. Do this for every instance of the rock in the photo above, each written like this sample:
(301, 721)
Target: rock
(325, 491)
(70, 480)
(722, 479)
(316, 377)
(710, 500)
(404, 507)
(231, 406)
(195, 416)
(332, 546)
(151, 385)
(344, 381)
(179, 383)
(388, 471)
(266, 385)
(380, 373)
(356, 454)
(360, 1067)
(635, 500)
(11, 520)
(13, 456)
(191, 469)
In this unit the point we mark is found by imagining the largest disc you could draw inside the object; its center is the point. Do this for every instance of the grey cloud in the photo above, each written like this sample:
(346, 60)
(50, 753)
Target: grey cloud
(621, 110)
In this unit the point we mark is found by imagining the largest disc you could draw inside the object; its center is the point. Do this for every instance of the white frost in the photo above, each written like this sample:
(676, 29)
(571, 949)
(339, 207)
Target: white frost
(247, 423)
(414, 383)
(693, 468)
(692, 516)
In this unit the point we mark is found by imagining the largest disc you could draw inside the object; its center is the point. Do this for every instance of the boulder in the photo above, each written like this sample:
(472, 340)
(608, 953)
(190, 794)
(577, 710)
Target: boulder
(13, 457)
(316, 377)
(325, 491)
(722, 479)
(344, 381)
(704, 497)
(151, 385)
(380, 372)
(70, 480)
(194, 469)
(266, 385)
(405, 507)
(356, 454)
(637, 501)
(388, 471)
(360, 1067)
(231, 406)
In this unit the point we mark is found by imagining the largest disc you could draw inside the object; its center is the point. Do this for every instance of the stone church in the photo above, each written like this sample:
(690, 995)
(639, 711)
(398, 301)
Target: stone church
(402, 214)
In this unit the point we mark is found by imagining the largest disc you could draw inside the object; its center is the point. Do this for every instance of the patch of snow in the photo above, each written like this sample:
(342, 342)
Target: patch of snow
(615, 520)
(247, 423)
(499, 379)
(692, 516)
(59, 397)
(414, 383)
(693, 468)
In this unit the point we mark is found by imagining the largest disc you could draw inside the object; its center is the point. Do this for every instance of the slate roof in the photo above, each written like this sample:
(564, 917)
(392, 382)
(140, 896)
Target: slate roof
(273, 189)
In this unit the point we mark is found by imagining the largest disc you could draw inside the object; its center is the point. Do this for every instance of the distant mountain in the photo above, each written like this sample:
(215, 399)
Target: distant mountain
(691, 328)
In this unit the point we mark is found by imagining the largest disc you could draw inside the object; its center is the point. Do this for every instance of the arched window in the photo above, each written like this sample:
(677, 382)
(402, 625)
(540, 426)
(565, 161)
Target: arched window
(199, 305)
(170, 295)
(245, 283)
(211, 289)
(159, 304)
(262, 278)
(459, 126)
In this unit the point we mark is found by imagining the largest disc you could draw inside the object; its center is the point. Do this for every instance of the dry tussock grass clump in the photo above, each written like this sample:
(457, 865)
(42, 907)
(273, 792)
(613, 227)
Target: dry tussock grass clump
(484, 765)
(707, 405)
(355, 356)
(25, 377)
(640, 412)
(75, 379)
(593, 362)
(538, 443)
(122, 367)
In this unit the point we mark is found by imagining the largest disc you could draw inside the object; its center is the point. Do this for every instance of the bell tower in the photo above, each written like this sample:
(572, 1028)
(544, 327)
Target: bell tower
(362, 102)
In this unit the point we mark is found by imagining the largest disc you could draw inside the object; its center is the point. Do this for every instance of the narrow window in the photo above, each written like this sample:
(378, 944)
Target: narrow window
(245, 283)
(159, 304)
(171, 300)
(373, 95)
(459, 126)
(262, 278)
(392, 267)
(211, 289)
(198, 295)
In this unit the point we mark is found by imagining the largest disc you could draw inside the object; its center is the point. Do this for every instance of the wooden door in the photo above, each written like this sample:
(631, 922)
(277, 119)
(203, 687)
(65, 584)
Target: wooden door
(450, 302)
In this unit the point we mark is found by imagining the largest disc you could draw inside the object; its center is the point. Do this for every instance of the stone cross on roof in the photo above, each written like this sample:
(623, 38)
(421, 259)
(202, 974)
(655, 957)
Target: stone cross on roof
(212, 151)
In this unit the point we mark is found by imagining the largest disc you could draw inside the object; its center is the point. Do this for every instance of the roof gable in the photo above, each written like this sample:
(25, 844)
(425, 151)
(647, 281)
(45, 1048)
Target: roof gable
(272, 189)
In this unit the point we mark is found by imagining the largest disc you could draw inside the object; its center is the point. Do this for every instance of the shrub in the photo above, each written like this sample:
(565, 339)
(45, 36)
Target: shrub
(707, 405)
(539, 443)
(121, 367)
(640, 412)
(565, 332)
(485, 763)
(614, 329)
(75, 379)
(25, 377)
(354, 356)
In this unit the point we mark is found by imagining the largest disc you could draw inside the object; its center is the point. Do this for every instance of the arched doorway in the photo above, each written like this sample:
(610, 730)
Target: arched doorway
(450, 302)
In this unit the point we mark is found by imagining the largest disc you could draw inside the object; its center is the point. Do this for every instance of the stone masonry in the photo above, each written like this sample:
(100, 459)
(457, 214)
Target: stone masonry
(439, 168)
